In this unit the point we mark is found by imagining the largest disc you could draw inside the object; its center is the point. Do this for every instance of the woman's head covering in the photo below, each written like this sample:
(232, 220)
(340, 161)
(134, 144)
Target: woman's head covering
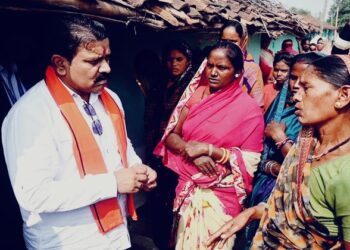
(315, 39)
(244, 40)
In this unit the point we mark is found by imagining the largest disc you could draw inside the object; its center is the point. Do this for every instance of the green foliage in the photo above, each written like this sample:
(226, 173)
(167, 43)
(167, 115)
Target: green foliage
(300, 11)
(344, 12)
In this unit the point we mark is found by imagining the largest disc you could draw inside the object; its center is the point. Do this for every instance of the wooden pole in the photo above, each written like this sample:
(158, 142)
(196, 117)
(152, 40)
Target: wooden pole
(323, 15)
(336, 17)
(336, 22)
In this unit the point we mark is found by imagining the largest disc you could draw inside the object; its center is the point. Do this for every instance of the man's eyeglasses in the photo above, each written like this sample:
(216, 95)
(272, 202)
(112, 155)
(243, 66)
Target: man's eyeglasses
(96, 123)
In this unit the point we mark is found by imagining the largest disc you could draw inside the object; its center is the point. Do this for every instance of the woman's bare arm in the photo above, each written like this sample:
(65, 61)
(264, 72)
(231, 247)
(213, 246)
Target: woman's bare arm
(174, 141)
(235, 224)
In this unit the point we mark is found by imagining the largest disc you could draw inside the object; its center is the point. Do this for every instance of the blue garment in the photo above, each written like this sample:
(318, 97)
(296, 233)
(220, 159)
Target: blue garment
(264, 183)
(13, 86)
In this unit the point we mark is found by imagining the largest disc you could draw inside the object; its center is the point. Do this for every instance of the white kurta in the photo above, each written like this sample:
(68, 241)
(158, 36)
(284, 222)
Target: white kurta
(54, 200)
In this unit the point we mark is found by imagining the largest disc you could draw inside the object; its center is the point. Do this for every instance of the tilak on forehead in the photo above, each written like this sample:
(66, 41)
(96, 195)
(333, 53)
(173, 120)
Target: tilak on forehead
(100, 48)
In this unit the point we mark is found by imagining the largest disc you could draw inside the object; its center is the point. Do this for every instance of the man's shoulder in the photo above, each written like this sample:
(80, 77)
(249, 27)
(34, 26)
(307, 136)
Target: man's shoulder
(34, 100)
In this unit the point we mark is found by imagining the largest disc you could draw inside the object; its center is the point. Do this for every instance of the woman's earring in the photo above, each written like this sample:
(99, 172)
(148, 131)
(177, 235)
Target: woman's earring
(337, 105)
(236, 75)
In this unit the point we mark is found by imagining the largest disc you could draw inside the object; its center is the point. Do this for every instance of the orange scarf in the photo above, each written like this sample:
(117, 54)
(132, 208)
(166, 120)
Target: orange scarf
(88, 156)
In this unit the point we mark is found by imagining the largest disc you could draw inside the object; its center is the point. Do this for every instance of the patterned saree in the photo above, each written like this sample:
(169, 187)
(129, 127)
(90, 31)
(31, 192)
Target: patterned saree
(288, 222)
(263, 182)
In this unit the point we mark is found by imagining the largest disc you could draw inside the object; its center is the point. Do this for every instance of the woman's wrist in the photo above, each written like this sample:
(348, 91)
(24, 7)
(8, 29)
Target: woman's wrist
(219, 155)
(279, 137)
(256, 212)
(225, 156)
(259, 210)
(283, 142)
(271, 167)
(250, 213)
(210, 150)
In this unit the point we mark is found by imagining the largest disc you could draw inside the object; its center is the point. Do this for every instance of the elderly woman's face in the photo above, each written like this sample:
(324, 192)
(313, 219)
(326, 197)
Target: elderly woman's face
(177, 63)
(219, 70)
(315, 99)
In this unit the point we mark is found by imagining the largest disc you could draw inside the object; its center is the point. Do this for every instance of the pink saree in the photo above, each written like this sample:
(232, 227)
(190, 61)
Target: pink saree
(228, 118)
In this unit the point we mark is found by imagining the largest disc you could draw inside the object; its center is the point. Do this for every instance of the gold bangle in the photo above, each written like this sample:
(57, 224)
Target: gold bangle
(227, 156)
(223, 156)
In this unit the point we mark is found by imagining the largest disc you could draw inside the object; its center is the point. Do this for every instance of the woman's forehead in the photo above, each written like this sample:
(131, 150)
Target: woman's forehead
(230, 32)
(309, 73)
(299, 66)
(176, 53)
(218, 53)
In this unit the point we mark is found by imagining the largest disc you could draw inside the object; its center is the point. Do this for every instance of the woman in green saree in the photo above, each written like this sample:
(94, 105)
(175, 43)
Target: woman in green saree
(281, 132)
(308, 207)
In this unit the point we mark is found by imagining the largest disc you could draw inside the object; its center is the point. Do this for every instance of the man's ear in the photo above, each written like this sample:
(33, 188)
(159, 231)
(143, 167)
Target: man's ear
(60, 64)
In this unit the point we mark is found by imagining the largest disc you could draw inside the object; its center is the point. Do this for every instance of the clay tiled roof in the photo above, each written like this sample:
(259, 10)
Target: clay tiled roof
(315, 23)
(267, 16)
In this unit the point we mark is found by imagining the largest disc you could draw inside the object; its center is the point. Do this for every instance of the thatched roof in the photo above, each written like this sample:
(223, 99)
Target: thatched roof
(267, 16)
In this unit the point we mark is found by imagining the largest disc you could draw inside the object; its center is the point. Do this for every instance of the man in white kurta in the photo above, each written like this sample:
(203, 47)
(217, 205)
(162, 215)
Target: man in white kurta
(54, 199)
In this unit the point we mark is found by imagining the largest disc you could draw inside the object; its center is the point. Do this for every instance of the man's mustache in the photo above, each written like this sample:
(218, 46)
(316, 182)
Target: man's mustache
(102, 77)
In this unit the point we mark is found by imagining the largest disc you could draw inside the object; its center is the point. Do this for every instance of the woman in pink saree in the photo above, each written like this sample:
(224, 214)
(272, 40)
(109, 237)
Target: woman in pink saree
(213, 142)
